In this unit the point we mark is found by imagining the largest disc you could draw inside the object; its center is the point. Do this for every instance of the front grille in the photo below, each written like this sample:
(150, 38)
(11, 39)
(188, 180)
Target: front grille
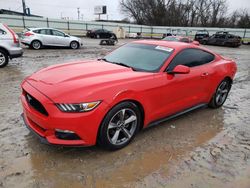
(33, 102)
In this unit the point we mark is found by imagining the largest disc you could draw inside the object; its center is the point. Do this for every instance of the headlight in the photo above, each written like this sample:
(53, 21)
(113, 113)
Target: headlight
(81, 107)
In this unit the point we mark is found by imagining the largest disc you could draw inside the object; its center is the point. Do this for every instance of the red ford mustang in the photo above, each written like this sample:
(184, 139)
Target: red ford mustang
(107, 101)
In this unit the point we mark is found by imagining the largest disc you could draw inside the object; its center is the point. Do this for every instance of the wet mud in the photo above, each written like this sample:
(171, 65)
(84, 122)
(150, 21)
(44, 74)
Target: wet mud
(205, 148)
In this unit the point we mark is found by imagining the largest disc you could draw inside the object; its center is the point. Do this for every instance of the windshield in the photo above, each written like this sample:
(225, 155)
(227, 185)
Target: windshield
(140, 57)
(202, 33)
(171, 39)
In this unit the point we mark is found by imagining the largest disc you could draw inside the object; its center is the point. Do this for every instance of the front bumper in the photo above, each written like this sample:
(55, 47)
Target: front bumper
(84, 125)
(42, 139)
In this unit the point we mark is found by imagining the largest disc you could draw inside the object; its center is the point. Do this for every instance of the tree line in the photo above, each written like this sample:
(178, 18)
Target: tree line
(189, 13)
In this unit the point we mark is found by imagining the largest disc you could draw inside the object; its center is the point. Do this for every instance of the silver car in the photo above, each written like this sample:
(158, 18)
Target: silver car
(9, 45)
(36, 38)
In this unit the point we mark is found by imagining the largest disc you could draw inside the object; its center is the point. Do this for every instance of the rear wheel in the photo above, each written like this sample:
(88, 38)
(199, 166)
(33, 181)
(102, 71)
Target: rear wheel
(4, 59)
(36, 45)
(119, 126)
(221, 94)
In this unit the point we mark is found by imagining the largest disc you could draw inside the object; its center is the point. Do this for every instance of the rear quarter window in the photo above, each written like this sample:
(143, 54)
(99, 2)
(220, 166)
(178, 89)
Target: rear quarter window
(2, 32)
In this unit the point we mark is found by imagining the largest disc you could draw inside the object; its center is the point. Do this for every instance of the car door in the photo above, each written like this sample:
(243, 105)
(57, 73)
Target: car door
(212, 39)
(45, 36)
(220, 40)
(59, 38)
(182, 91)
(99, 33)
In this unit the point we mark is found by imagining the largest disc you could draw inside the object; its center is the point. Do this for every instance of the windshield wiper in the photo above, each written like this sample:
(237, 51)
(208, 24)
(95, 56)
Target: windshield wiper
(122, 64)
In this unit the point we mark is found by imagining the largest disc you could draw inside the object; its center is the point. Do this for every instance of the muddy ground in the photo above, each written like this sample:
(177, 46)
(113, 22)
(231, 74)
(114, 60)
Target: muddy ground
(206, 148)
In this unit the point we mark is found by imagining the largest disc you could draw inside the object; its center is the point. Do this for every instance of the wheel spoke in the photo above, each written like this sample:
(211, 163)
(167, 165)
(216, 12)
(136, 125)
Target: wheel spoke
(220, 99)
(217, 98)
(224, 91)
(223, 85)
(112, 125)
(115, 137)
(122, 114)
(130, 119)
(126, 132)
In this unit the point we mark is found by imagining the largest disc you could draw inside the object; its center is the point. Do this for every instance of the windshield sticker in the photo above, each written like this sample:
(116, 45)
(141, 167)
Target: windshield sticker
(164, 48)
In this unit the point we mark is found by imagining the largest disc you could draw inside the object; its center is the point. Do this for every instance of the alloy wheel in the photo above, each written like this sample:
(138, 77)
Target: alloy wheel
(74, 45)
(2, 59)
(122, 126)
(222, 92)
(36, 45)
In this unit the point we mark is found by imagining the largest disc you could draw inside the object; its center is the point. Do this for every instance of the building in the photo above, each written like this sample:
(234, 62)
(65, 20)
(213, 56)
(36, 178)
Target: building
(10, 12)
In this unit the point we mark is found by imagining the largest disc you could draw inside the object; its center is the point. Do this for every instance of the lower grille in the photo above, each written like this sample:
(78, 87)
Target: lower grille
(33, 102)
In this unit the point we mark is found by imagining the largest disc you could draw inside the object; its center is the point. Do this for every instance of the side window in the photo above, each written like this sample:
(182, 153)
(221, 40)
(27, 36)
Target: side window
(222, 36)
(191, 58)
(99, 31)
(217, 36)
(58, 33)
(44, 32)
(2, 32)
(37, 31)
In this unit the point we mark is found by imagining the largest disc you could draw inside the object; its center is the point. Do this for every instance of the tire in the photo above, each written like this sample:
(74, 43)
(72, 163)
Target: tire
(74, 45)
(36, 45)
(220, 94)
(119, 126)
(4, 58)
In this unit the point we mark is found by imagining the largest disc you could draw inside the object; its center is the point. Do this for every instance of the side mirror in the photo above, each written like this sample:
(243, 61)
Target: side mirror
(196, 43)
(66, 35)
(180, 69)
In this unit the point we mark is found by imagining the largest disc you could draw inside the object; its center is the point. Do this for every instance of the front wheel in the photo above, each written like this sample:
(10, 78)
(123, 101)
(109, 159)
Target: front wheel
(74, 45)
(221, 94)
(119, 126)
(4, 59)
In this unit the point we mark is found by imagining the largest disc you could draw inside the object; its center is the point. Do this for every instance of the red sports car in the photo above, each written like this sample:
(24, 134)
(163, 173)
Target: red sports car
(107, 101)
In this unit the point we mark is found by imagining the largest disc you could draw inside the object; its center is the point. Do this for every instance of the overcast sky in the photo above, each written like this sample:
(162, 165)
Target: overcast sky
(68, 8)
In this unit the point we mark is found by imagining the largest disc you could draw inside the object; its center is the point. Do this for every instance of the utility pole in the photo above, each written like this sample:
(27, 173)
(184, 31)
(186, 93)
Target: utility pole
(78, 12)
(24, 7)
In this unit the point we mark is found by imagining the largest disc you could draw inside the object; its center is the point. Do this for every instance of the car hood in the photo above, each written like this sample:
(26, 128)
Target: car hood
(75, 81)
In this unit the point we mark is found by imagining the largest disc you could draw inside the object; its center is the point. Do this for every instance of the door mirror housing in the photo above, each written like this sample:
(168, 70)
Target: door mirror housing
(180, 69)
(66, 35)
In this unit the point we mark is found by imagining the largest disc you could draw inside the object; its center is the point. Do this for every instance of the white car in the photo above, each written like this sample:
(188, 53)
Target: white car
(36, 38)
(9, 45)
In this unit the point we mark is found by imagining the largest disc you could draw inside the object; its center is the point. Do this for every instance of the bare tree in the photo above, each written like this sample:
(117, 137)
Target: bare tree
(183, 13)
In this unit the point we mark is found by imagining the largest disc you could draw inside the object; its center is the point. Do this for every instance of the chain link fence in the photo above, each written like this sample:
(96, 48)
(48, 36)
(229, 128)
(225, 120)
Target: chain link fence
(80, 28)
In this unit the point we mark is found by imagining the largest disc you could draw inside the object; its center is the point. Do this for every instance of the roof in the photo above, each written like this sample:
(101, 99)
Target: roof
(169, 44)
(10, 12)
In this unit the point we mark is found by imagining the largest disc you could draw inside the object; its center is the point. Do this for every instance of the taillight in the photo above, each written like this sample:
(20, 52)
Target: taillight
(27, 34)
(15, 39)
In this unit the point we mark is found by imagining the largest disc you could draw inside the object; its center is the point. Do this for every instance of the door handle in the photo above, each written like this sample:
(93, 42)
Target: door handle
(204, 74)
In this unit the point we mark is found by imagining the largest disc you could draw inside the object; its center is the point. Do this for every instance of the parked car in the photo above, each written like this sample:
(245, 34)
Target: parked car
(181, 39)
(223, 39)
(9, 45)
(201, 34)
(99, 33)
(167, 35)
(37, 38)
(109, 100)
